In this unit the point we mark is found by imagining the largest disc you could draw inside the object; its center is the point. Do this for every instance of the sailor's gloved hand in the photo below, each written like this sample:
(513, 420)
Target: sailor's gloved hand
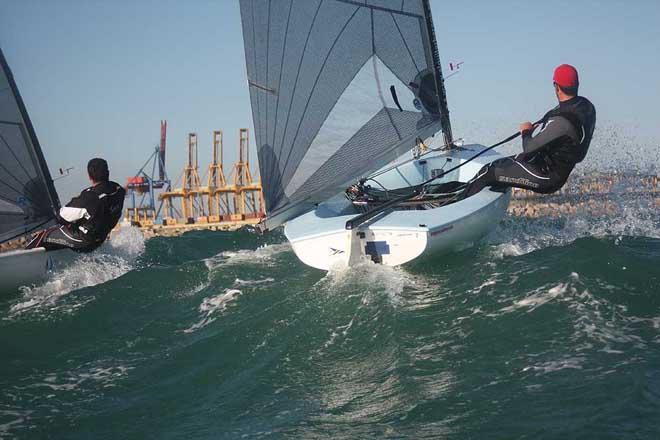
(526, 127)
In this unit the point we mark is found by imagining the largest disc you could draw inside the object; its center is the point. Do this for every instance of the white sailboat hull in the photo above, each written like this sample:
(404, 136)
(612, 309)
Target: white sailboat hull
(319, 238)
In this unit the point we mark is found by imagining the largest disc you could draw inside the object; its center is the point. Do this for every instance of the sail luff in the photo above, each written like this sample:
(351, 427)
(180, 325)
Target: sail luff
(26, 184)
(43, 166)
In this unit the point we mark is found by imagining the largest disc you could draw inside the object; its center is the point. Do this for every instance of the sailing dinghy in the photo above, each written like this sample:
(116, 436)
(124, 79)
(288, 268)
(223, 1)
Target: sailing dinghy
(28, 199)
(340, 89)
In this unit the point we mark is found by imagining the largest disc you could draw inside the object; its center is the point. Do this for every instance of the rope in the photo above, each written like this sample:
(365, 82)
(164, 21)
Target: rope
(417, 189)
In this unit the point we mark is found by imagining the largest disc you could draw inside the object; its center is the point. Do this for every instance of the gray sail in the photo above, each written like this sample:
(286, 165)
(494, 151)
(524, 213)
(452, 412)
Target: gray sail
(27, 196)
(338, 88)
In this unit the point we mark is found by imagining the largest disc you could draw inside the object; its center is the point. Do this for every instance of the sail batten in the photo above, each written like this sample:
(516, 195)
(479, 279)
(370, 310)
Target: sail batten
(319, 75)
(293, 95)
(27, 195)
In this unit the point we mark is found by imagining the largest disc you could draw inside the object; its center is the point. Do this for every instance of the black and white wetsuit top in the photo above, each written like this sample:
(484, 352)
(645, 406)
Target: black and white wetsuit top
(94, 213)
(550, 153)
(564, 136)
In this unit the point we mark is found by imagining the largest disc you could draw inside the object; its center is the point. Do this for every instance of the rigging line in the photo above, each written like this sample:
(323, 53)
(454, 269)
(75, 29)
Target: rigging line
(295, 86)
(14, 154)
(405, 43)
(358, 220)
(279, 88)
(387, 191)
(412, 159)
(318, 76)
(27, 231)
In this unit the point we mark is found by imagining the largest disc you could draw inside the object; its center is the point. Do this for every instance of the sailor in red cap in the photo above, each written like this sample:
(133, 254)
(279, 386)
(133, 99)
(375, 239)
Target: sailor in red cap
(551, 148)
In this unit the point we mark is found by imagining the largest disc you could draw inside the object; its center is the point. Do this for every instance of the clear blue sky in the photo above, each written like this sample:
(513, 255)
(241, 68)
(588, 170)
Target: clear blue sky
(98, 76)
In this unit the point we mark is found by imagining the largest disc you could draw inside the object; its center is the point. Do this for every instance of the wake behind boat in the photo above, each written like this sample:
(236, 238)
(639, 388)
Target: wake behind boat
(340, 89)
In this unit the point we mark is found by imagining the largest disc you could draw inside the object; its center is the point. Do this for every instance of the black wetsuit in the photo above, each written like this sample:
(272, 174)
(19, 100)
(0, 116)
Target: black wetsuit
(86, 221)
(549, 156)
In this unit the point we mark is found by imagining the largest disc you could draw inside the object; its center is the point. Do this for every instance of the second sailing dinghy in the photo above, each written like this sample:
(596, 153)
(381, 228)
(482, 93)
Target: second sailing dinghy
(28, 200)
(339, 89)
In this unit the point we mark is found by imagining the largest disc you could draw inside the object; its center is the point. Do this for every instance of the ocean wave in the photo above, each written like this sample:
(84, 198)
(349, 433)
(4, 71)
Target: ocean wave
(517, 236)
(368, 276)
(598, 323)
(543, 295)
(552, 366)
(239, 282)
(103, 373)
(55, 389)
(211, 307)
(113, 259)
(265, 255)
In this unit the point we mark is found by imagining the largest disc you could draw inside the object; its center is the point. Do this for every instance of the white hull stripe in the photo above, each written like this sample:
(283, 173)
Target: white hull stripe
(537, 176)
(68, 236)
(478, 175)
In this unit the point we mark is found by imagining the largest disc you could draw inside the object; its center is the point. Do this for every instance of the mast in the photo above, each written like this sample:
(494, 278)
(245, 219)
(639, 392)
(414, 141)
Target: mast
(439, 80)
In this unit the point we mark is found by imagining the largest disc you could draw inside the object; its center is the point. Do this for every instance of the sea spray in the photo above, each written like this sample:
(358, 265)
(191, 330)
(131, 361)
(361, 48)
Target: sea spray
(113, 259)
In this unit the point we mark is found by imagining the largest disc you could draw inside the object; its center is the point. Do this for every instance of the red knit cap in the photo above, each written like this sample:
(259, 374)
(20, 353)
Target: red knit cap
(566, 76)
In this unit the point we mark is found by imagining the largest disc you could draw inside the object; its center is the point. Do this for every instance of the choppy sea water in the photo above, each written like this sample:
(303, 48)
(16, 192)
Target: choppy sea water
(550, 328)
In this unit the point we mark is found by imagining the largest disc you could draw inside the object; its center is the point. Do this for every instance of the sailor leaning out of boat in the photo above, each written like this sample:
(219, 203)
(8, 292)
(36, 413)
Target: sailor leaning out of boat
(86, 221)
(549, 155)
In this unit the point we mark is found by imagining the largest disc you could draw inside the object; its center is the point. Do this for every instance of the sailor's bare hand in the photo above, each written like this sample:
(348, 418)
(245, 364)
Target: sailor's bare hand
(526, 127)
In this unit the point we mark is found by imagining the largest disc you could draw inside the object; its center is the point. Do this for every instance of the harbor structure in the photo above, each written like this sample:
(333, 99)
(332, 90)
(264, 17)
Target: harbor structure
(141, 188)
(248, 197)
(218, 205)
(229, 202)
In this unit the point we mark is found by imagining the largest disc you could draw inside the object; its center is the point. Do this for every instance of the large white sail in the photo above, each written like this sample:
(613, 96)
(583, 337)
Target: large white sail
(338, 88)
(28, 198)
